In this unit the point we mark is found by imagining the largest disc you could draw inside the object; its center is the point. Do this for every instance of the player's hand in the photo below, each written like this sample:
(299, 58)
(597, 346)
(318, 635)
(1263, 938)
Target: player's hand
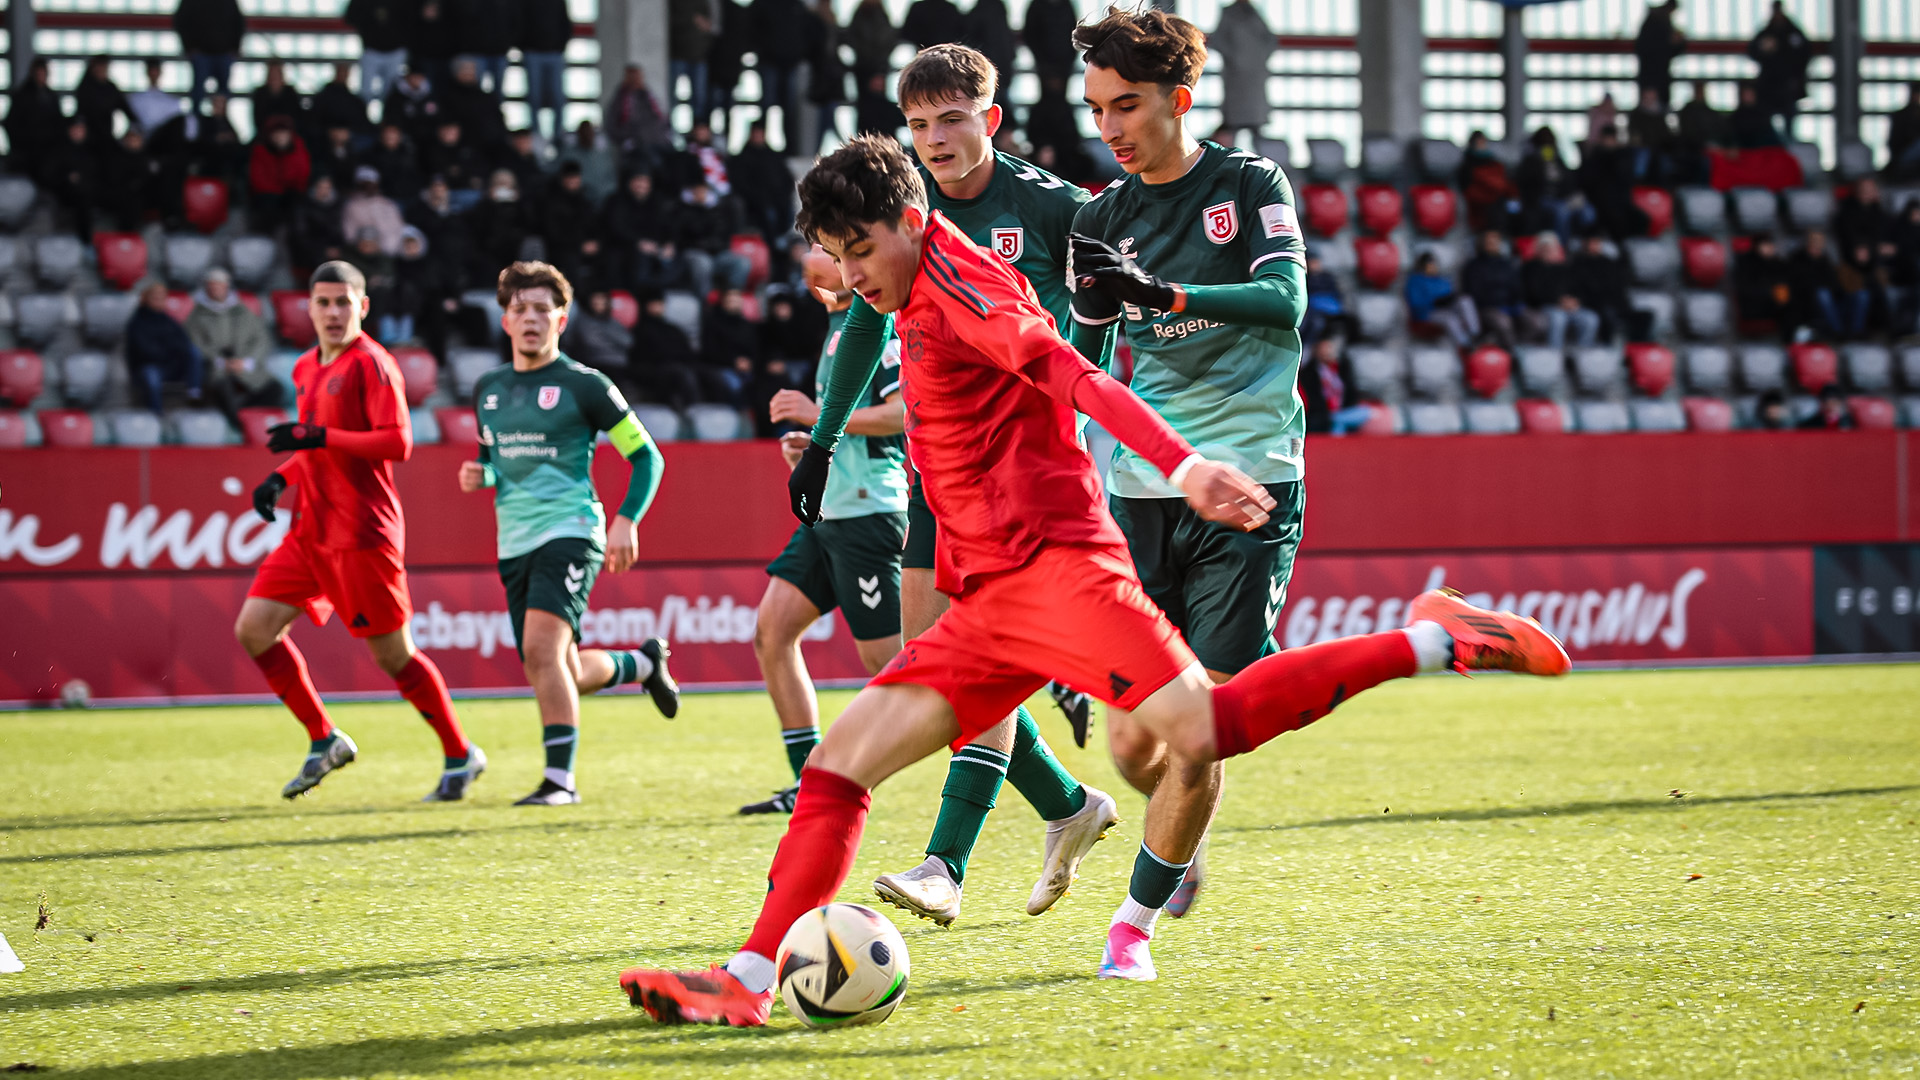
(1219, 492)
(294, 436)
(621, 547)
(793, 444)
(1098, 265)
(794, 407)
(473, 476)
(267, 494)
(808, 484)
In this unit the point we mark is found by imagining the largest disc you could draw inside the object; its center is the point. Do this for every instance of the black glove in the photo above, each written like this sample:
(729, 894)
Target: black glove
(291, 436)
(808, 483)
(267, 494)
(1096, 305)
(1098, 265)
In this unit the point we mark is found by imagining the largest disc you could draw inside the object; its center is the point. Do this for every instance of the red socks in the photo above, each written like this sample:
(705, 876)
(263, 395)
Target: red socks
(814, 857)
(1292, 689)
(420, 683)
(286, 672)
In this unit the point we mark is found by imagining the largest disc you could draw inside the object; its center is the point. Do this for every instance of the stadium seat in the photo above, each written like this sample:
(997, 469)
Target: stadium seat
(1433, 418)
(122, 257)
(57, 259)
(200, 427)
(1659, 308)
(1852, 160)
(290, 314)
(1489, 369)
(753, 248)
(1650, 367)
(1381, 420)
(1277, 151)
(661, 422)
(1873, 413)
(66, 428)
(1542, 369)
(1702, 209)
(1378, 314)
(1602, 417)
(426, 429)
(1869, 368)
(251, 258)
(1446, 257)
(22, 376)
(104, 315)
(714, 423)
(1815, 367)
(255, 422)
(1705, 314)
(1539, 416)
(1807, 156)
(1377, 372)
(1755, 209)
(683, 311)
(1334, 255)
(1491, 418)
(1435, 210)
(458, 426)
(16, 430)
(180, 305)
(1380, 209)
(467, 366)
(1651, 262)
(9, 256)
(1910, 410)
(1705, 260)
(134, 427)
(1326, 159)
(1597, 368)
(187, 259)
(624, 308)
(16, 201)
(1650, 415)
(1326, 208)
(1763, 367)
(1379, 260)
(1908, 362)
(204, 202)
(1657, 205)
(1809, 208)
(84, 377)
(1708, 414)
(1709, 369)
(1381, 157)
(39, 317)
(1432, 373)
(420, 372)
(1439, 159)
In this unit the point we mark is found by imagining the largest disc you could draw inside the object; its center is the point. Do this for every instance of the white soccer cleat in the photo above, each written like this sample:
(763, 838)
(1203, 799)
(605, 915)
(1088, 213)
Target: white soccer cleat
(1068, 841)
(927, 890)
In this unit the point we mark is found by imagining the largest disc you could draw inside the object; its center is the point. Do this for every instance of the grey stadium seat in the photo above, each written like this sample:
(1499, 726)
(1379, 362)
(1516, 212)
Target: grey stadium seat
(104, 315)
(1853, 160)
(1910, 410)
(660, 421)
(1278, 151)
(16, 201)
(1376, 372)
(1335, 255)
(713, 423)
(468, 365)
(251, 258)
(57, 259)
(683, 311)
(1658, 416)
(1597, 368)
(9, 257)
(1541, 370)
(1491, 418)
(1433, 418)
(1439, 159)
(1446, 256)
(426, 426)
(1601, 417)
(84, 377)
(1652, 262)
(1431, 373)
(1909, 364)
(6, 310)
(38, 317)
(1809, 208)
(1709, 368)
(187, 259)
(280, 366)
(134, 427)
(1763, 367)
(1326, 159)
(1381, 157)
(1755, 209)
(1659, 305)
(206, 427)
(1379, 315)
(1702, 209)
(1705, 314)
(1869, 367)
(1808, 155)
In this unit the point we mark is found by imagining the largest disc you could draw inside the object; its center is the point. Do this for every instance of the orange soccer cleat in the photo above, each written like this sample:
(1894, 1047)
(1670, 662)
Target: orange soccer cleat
(1490, 640)
(712, 996)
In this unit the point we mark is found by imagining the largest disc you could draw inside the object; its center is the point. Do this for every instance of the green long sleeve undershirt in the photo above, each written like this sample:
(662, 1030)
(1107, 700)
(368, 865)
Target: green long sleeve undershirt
(863, 338)
(1277, 298)
(643, 483)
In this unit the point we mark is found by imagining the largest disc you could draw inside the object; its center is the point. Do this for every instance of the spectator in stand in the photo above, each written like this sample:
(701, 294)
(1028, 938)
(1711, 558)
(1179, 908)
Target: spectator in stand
(385, 28)
(273, 97)
(502, 224)
(35, 123)
(210, 33)
(1762, 290)
(1604, 114)
(1054, 129)
(1783, 53)
(314, 235)
(872, 36)
(430, 49)
(278, 171)
(1650, 133)
(380, 270)
(70, 171)
(1048, 34)
(336, 157)
(400, 304)
(1245, 44)
(130, 183)
(987, 28)
(440, 221)
(1600, 283)
(1834, 415)
(1545, 187)
(639, 226)
(369, 210)
(1860, 218)
(1903, 272)
(1770, 412)
(1654, 48)
(216, 149)
(786, 350)
(452, 159)
(397, 161)
(1491, 279)
(1547, 285)
(1861, 273)
(483, 32)
(570, 224)
(1432, 301)
(234, 340)
(599, 163)
(97, 100)
(595, 338)
(1326, 304)
(152, 107)
(523, 160)
(731, 43)
(338, 106)
(827, 76)
(482, 125)
(729, 351)
(1903, 137)
(1702, 127)
(436, 283)
(1751, 125)
(1820, 305)
(764, 185)
(778, 33)
(636, 124)
(1323, 389)
(933, 22)
(690, 34)
(704, 225)
(159, 351)
(545, 28)
(700, 161)
(1483, 183)
(1606, 179)
(411, 105)
(661, 361)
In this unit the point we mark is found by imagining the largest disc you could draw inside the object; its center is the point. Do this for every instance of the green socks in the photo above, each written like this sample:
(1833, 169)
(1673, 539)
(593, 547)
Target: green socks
(973, 782)
(1036, 774)
(1154, 880)
(561, 741)
(629, 665)
(800, 742)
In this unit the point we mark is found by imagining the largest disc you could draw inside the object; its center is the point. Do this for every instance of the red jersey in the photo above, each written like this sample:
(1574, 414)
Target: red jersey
(348, 501)
(990, 389)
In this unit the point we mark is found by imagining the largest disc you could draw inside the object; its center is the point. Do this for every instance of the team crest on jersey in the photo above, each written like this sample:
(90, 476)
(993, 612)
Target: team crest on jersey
(1222, 221)
(1125, 245)
(1009, 243)
(334, 384)
(549, 396)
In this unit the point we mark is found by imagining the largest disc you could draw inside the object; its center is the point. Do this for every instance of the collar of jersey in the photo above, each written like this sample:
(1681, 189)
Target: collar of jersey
(940, 200)
(1211, 154)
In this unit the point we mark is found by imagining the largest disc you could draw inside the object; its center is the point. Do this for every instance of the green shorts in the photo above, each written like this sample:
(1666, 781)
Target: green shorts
(921, 531)
(852, 564)
(554, 577)
(1221, 587)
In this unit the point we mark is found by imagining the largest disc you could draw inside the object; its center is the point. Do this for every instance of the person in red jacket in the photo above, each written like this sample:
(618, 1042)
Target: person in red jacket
(277, 172)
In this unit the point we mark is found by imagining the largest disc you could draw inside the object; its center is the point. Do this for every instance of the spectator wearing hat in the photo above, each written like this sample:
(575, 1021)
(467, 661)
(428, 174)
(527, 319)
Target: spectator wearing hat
(159, 350)
(368, 210)
(234, 341)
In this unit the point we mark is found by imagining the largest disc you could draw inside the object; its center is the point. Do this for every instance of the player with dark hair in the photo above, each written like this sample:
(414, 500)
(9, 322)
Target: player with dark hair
(346, 549)
(1038, 573)
(539, 419)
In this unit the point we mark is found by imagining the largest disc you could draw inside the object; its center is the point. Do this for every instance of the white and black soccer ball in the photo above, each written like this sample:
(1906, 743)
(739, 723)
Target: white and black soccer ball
(76, 694)
(842, 965)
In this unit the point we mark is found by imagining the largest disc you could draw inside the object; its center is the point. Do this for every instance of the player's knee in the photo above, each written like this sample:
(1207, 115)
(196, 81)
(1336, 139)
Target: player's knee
(770, 639)
(1191, 747)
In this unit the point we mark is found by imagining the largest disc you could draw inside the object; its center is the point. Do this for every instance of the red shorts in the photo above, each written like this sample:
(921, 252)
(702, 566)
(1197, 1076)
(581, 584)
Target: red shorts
(367, 586)
(1076, 615)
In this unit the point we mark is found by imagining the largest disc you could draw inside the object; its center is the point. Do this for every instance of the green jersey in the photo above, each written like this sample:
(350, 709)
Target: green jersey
(537, 434)
(1230, 390)
(869, 472)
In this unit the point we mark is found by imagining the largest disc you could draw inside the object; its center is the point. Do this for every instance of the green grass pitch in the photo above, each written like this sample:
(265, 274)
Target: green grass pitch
(1677, 874)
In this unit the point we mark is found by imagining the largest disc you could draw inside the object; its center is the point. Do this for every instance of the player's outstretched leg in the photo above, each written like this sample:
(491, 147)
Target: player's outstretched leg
(1178, 814)
(604, 669)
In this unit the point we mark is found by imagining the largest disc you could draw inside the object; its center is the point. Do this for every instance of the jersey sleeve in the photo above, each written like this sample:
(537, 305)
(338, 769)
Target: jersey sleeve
(606, 409)
(1266, 204)
(384, 399)
(886, 382)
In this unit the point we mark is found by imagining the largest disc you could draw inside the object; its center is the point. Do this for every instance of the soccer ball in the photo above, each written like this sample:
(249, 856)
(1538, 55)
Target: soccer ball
(76, 694)
(842, 965)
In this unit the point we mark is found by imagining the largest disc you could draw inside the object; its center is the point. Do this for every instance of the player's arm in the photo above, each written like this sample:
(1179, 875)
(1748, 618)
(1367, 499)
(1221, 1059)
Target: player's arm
(479, 473)
(389, 437)
(608, 412)
(1276, 297)
(855, 360)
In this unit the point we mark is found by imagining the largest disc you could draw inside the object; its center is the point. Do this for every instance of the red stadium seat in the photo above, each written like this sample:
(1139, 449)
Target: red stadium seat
(1488, 369)
(13, 430)
(123, 258)
(420, 371)
(1377, 260)
(1379, 207)
(626, 310)
(252, 303)
(1704, 259)
(1435, 210)
(1651, 367)
(1873, 413)
(1708, 414)
(752, 248)
(204, 200)
(1379, 420)
(1657, 204)
(66, 428)
(179, 305)
(255, 422)
(458, 426)
(1538, 416)
(22, 375)
(1815, 367)
(1523, 246)
(290, 311)
(1326, 208)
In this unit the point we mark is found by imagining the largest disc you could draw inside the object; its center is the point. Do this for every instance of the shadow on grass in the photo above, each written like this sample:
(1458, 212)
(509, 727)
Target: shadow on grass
(199, 817)
(1573, 809)
(316, 841)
